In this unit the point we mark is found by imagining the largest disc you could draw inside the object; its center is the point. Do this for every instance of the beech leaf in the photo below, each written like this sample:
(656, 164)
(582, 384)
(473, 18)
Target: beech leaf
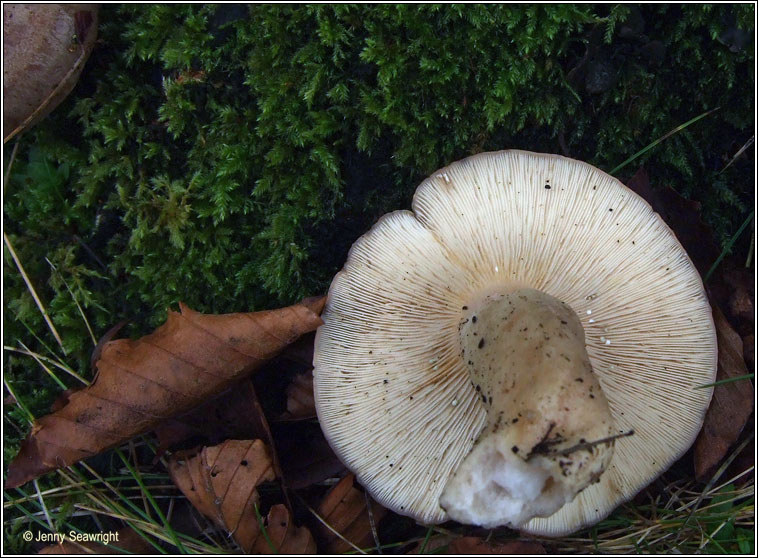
(344, 509)
(221, 482)
(231, 414)
(300, 401)
(141, 383)
(732, 402)
(306, 457)
(283, 536)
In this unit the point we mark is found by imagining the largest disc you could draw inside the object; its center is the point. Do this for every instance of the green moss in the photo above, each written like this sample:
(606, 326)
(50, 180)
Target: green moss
(228, 156)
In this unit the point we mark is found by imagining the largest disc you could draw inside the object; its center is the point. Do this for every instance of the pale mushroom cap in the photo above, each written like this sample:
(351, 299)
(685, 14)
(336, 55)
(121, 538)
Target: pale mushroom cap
(392, 394)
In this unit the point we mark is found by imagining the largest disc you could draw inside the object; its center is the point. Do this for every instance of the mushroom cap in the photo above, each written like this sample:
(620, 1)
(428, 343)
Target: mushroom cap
(394, 397)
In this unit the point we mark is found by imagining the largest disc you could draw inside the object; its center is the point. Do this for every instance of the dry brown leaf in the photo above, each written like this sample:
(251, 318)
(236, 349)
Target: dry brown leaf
(221, 482)
(126, 540)
(301, 351)
(141, 383)
(306, 457)
(44, 51)
(748, 351)
(283, 536)
(230, 415)
(732, 403)
(300, 402)
(474, 545)
(344, 509)
(733, 289)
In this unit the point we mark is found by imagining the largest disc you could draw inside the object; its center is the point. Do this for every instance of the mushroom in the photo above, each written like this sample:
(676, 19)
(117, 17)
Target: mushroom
(521, 349)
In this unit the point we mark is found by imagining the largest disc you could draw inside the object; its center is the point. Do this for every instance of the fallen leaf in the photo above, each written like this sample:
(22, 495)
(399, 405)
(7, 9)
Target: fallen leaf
(301, 351)
(731, 405)
(45, 47)
(733, 289)
(306, 457)
(102, 342)
(748, 352)
(474, 545)
(344, 509)
(282, 536)
(126, 541)
(221, 482)
(141, 383)
(300, 402)
(230, 415)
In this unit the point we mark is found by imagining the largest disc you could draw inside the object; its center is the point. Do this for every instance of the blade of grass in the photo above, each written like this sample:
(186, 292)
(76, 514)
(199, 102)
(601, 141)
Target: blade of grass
(30, 287)
(712, 482)
(81, 312)
(264, 531)
(109, 504)
(714, 542)
(49, 360)
(19, 402)
(27, 513)
(332, 529)
(50, 373)
(426, 540)
(43, 506)
(69, 526)
(153, 503)
(112, 489)
(667, 135)
(77, 488)
(29, 329)
(727, 381)
(728, 246)
(742, 149)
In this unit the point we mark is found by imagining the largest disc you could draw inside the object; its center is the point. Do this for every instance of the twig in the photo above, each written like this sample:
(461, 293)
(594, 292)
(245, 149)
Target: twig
(580, 446)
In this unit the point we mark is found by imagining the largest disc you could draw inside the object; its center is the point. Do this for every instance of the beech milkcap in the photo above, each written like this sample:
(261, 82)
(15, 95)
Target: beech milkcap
(422, 381)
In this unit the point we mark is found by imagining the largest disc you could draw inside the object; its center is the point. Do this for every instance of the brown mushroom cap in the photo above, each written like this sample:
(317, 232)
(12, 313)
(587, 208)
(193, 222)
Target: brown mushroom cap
(394, 397)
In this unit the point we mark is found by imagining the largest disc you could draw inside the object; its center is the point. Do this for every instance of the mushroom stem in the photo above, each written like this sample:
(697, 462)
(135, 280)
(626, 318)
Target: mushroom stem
(527, 360)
